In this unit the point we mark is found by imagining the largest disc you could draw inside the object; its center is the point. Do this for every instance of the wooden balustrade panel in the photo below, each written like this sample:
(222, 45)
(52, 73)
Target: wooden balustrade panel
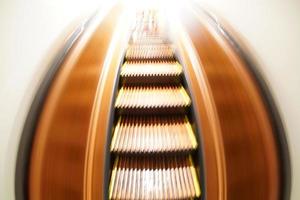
(59, 148)
(243, 162)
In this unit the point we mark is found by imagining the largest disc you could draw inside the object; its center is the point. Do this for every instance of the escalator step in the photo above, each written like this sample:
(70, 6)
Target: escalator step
(150, 72)
(149, 51)
(153, 134)
(151, 69)
(136, 39)
(161, 177)
(132, 99)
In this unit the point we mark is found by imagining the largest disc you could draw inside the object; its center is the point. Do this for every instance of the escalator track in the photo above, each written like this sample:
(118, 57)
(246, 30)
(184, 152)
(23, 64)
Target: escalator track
(153, 140)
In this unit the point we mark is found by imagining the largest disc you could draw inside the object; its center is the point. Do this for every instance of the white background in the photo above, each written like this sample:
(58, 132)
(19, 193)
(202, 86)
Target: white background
(32, 30)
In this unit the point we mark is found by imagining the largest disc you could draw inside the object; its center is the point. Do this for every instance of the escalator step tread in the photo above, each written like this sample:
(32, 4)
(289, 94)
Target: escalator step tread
(149, 51)
(137, 69)
(161, 177)
(147, 40)
(153, 140)
(152, 97)
(154, 134)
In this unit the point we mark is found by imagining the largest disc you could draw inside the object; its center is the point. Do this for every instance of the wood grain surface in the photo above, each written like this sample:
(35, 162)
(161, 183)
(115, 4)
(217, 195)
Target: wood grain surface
(241, 158)
(59, 148)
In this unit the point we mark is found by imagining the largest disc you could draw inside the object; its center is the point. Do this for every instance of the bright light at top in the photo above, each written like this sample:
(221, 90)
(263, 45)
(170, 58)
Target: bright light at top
(153, 4)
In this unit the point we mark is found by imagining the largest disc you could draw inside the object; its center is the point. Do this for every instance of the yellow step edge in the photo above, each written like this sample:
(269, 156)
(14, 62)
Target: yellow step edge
(122, 68)
(185, 96)
(179, 67)
(113, 141)
(113, 177)
(195, 179)
(191, 133)
(121, 91)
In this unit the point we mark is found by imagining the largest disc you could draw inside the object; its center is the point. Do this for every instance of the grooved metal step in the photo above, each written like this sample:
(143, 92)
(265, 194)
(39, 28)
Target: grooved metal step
(135, 69)
(149, 51)
(152, 99)
(151, 72)
(153, 134)
(141, 39)
(162, 177)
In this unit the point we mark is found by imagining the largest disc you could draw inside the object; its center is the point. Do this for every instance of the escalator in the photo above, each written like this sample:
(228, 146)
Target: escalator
(153, 142)
(172, 109)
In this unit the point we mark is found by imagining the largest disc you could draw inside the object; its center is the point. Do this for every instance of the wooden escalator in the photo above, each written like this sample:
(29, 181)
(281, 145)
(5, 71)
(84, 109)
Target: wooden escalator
(172, 111)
